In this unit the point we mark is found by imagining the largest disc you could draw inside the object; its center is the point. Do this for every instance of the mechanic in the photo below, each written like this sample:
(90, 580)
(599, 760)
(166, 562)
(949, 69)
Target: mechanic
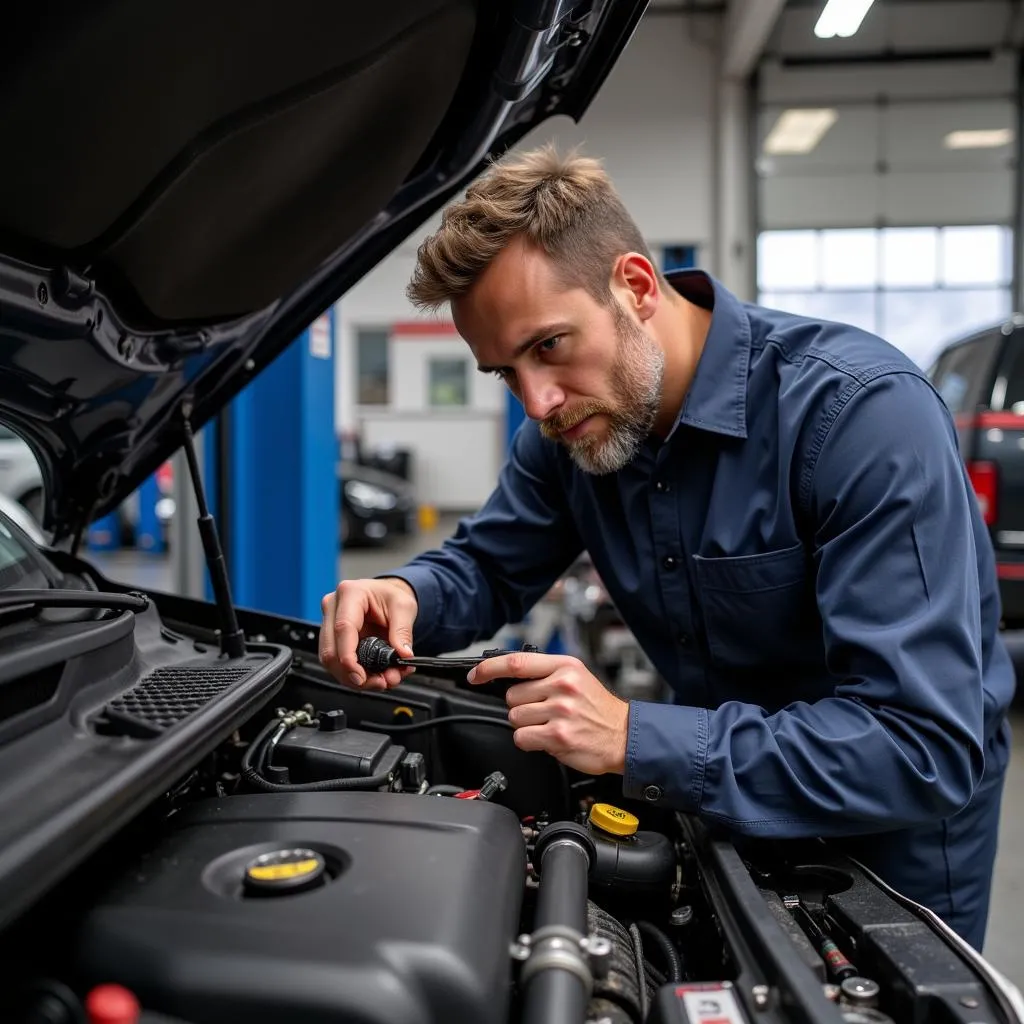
(778, 508)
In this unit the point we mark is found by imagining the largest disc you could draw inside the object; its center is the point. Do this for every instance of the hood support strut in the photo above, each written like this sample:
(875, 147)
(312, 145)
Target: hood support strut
(232, 639)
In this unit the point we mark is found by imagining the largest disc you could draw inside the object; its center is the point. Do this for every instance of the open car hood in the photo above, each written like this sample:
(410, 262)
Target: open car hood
(186, 186)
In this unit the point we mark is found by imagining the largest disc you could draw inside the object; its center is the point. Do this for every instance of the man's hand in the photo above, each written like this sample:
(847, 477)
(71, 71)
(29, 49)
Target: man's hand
(563, 710)
(386, 608)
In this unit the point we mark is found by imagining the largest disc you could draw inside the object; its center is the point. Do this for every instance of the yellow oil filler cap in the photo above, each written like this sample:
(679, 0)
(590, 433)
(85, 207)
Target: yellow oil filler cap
(285, 871)
(613, 819)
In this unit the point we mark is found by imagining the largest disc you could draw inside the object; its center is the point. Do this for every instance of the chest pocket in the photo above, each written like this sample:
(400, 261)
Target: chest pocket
(759, 610)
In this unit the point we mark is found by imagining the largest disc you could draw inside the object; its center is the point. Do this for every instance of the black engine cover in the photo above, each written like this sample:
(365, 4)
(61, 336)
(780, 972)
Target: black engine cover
(411, 922)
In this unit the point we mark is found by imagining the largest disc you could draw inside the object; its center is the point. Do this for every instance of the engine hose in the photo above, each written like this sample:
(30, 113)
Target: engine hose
(619, 982)
(638, 952)
(433, 723)
(655, 979)
(326, 786)
(673, 961)
(255, 753)
(556, 977)
(444, 789)
(256, 749)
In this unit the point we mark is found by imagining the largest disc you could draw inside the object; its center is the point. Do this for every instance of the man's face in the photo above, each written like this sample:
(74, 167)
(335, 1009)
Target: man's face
(588, 373)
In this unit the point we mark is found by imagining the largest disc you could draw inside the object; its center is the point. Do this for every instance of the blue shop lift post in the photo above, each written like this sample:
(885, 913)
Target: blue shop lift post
(278, 497)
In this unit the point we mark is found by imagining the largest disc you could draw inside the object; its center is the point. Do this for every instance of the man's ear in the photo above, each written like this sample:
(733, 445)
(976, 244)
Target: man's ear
(635, 284)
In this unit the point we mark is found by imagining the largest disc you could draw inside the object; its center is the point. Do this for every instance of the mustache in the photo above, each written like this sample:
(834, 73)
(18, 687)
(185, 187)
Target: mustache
(561, 422)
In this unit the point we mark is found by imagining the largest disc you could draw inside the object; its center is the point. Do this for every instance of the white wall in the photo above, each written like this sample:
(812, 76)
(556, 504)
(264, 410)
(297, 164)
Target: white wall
(410, 359)
(458, 451)
(653, 125)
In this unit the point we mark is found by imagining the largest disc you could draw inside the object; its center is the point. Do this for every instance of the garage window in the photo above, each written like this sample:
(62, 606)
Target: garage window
(372, 366)
(918, 287)
(448, 383)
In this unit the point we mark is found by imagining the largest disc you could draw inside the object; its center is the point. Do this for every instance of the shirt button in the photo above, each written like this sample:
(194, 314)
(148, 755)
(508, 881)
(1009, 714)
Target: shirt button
(683, 639)
(670, 562)
(662, 487)
(652, 793)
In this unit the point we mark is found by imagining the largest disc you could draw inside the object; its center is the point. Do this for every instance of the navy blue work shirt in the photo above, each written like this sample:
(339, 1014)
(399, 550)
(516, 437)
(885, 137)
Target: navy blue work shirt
(804, 562)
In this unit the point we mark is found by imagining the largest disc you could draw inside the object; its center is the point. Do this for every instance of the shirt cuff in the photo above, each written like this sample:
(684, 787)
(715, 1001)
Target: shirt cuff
(428, 598)
(666, 751)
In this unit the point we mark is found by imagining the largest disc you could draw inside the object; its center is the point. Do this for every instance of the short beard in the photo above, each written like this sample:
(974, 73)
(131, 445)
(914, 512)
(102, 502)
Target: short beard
(636, 378)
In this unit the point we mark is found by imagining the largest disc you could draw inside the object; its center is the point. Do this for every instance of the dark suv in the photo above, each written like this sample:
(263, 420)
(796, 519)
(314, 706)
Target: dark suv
(981, 379)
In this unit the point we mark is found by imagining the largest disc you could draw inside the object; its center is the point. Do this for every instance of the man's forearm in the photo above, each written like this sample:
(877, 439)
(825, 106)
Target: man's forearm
(831, 768)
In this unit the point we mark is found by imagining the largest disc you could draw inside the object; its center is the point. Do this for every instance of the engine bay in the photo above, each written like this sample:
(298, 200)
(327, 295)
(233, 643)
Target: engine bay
(238, 839)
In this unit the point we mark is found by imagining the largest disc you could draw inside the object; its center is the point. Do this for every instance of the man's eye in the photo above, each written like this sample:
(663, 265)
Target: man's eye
(549, 343)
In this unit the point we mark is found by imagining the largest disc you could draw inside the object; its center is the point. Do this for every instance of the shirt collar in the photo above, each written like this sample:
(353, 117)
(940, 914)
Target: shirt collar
(717, 397)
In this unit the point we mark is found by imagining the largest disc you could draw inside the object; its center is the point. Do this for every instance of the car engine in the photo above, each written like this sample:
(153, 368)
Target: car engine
(191, 836)
(314, 872)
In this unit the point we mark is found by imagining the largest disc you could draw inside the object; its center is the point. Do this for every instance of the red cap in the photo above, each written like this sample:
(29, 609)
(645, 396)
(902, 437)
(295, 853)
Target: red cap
(112, 1004)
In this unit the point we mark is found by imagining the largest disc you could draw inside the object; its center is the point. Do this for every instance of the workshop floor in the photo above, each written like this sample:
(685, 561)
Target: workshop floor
(1004, 947)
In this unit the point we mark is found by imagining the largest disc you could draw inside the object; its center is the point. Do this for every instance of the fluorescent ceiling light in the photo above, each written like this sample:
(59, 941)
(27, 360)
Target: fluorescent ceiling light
(979, 138)
(799, 131)
(841, 18)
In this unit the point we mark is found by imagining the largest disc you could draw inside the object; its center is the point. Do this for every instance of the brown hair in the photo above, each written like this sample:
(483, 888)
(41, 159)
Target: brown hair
(567, 206)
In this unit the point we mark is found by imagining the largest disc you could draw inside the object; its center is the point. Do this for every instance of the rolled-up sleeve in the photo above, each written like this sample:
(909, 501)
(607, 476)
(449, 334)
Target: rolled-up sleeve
(502, 559)
(899, 740)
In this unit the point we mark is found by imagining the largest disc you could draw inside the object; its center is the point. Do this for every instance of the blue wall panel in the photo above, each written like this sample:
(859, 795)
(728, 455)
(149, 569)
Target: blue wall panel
(283, 488)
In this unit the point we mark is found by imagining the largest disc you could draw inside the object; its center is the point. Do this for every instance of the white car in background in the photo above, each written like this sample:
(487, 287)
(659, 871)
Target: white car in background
(20, 478)
(21, 486)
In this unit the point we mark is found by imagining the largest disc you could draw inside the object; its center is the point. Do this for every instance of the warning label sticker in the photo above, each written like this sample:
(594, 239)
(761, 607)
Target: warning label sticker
(710, 1004)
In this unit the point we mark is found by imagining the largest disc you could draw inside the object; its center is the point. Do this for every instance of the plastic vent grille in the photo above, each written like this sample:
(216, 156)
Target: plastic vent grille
(168, 696)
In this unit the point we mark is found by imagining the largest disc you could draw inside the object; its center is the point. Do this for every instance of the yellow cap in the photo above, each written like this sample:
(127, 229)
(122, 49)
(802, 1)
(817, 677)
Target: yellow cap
(613, 819)
(283, 872)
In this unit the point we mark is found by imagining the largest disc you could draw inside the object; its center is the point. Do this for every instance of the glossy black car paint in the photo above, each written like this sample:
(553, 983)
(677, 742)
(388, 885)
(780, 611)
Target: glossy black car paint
(98, 386)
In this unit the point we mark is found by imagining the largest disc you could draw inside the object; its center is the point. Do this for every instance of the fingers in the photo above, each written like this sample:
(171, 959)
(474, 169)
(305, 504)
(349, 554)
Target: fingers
(359, 608)
(401, 613)
(530, 714)
(539, 737)
(328, 650)
(335, 642)
(519, 665)
(527, 693)
(351, 606)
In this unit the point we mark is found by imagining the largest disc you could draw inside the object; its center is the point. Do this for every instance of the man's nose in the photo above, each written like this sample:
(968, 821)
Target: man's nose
(540, 397)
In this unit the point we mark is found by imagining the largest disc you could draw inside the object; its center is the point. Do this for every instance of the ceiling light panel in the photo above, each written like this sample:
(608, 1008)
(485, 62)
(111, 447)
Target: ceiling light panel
(799, 131)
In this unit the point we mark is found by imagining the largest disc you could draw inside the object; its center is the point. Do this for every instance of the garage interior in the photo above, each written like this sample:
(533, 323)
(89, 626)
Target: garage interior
(873, 178)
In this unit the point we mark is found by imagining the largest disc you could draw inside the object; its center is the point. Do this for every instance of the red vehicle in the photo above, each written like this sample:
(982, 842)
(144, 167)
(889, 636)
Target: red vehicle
(981, 379)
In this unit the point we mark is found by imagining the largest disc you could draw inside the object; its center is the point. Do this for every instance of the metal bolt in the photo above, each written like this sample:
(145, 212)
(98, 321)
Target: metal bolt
(760, 994)
(970, 1002)
(599, 951)
(681, 917)
(860, 991)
